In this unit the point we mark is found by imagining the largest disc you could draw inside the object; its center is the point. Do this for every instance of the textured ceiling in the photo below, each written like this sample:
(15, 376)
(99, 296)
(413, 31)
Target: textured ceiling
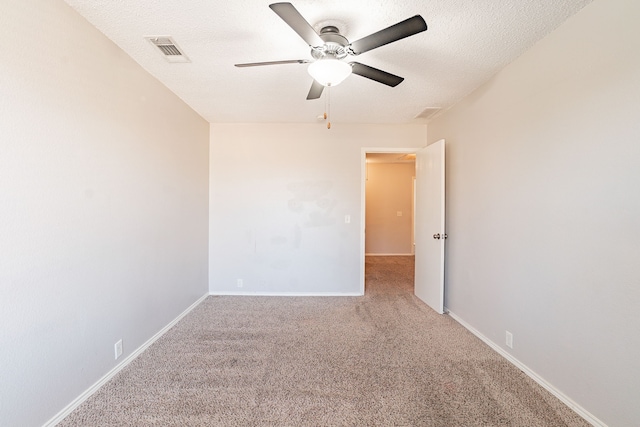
(467, 42)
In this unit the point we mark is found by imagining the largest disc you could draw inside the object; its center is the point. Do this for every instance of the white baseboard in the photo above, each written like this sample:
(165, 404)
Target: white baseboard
(590, 418)
(389, 254)
(286, 294)
(84, 396)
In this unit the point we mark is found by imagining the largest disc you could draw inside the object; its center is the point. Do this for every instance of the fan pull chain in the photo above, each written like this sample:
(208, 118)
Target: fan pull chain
(328, 108)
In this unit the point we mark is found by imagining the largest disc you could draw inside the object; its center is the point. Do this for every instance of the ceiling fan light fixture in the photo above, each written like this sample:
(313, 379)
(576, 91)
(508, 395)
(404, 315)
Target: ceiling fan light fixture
(329, 71)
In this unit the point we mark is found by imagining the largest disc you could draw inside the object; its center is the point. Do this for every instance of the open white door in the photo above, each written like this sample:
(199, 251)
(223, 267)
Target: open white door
(429, 226)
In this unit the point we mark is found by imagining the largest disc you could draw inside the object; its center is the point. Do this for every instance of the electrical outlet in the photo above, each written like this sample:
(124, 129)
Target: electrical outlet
(118, 349)
(240, 283)
(509, 339)
(347, 219)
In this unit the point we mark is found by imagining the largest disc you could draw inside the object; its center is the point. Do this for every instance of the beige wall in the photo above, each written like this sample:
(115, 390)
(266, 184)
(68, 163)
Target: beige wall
(543, 206)
(279, 197)
(389, 190)
(103, 207)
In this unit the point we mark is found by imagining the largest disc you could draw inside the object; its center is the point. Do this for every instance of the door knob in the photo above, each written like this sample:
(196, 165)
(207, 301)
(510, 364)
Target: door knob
(436, 236)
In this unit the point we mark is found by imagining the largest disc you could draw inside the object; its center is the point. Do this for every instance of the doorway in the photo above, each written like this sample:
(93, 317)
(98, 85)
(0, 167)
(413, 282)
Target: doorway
(388, 176)
(429, 230)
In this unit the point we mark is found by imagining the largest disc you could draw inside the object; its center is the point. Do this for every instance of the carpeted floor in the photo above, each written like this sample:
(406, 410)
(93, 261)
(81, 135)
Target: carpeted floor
(384, 359)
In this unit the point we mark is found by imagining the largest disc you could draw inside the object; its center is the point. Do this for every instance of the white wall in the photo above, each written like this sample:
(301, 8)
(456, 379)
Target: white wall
(279, 196)
(389, 190)
(544, 209)
(103, 212)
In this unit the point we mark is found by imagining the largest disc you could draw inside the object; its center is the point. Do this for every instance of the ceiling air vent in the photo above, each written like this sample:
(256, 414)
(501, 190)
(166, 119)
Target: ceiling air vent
(428, 113)
(168, 48)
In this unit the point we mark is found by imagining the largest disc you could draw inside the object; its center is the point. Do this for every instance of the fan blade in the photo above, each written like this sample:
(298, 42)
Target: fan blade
(292, 17)
(403, 29)
(375, 74)
(289, 61)
(315, 91)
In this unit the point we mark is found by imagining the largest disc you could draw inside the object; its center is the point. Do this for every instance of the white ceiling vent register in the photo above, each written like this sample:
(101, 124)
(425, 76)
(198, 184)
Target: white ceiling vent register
(168, 48)
(428, 113)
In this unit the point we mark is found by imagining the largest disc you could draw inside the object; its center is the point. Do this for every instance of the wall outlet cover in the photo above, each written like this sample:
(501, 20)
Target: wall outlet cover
(509, 339)
(118, 349)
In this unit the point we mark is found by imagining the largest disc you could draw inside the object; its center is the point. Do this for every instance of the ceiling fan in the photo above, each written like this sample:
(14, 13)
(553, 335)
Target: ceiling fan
(329, 48)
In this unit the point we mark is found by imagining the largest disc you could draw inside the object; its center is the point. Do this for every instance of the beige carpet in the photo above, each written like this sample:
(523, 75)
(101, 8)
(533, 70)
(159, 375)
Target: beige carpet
(384, 359)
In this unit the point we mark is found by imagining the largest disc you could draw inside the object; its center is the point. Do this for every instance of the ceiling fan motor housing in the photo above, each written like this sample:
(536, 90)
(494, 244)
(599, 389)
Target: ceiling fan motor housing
(335, 44)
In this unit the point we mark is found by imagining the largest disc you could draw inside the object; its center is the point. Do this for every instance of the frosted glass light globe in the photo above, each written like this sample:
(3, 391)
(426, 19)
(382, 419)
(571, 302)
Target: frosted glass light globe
(329, 71)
